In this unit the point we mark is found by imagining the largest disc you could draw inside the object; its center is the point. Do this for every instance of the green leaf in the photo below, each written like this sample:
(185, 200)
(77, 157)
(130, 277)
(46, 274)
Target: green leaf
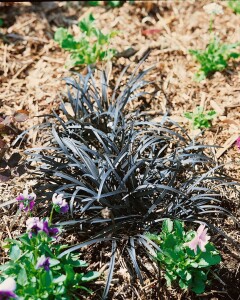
(66, 41)
(60, 35)
(234, 55)
(15, 252)
(59, 279)
(102, 38)
(193, 264)
(25, 240)
(235, 6)
(188, 115)
(93, 3)
(211, 113)
(169, 251)
(89, 276)
(46, 279)
(167, 226)
(154, 237)
(178, 228)
(183, 285)
(69, 273)
(22, 278)
(86, 25)
(209, 259)
(169, 276)
(198, 283)
(54, 262)
(114, 3)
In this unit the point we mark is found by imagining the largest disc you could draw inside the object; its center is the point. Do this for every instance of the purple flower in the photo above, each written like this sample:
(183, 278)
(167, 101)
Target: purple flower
(201, 239)
(7, 288)
(43, 262)
(53, 231)
(26, 201)
(60, 203)
(238, 143)
(34, 225)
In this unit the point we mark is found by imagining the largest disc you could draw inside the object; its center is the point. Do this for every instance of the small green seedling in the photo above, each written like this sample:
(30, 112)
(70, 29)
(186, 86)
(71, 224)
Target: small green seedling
(214, 58)
(199, 119)
(216, 55)
(91, 47)
(185, 257)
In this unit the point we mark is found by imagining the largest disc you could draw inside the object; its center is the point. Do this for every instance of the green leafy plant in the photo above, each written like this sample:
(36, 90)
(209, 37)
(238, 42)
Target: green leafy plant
(199, 118)
(216, 55)
(91, 47)
(34, 262)
(234, 5)
(115, 169)
(214, 58)
(189, 267)
(55, 279)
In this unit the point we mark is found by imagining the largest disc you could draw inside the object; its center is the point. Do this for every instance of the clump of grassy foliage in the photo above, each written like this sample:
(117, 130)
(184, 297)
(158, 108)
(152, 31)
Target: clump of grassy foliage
(91, 47)
(123, 175)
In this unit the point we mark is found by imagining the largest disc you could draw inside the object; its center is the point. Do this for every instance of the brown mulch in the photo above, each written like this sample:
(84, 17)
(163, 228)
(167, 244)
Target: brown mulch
(31, 72)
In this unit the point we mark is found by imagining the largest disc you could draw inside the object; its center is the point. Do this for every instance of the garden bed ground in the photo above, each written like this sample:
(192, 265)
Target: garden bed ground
(32, 66)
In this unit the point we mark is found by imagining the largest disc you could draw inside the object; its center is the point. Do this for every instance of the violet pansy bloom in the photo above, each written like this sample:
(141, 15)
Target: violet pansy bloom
(201, 239)
(7, 288)
(60, 203)
(26, 201)
(43, 262)
(34, 225)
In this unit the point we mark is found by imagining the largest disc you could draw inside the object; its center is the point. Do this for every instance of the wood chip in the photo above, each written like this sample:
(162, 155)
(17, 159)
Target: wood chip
(227, 145)
(220, 110)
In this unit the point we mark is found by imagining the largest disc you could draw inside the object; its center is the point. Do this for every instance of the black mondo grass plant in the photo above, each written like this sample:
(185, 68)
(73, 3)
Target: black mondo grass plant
(123, 175)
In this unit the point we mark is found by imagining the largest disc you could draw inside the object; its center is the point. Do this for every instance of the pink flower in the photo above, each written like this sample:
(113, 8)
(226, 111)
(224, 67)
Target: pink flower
(201, 239)
(26, 201)
(7, 288)
(238, 143)
(60, 203)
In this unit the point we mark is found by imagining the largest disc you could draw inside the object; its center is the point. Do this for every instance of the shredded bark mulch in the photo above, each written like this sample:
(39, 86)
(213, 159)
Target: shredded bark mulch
(32, 67)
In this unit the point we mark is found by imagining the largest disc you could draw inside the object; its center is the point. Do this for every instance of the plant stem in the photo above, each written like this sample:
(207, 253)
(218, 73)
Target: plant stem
(51, 215)
(211, 25)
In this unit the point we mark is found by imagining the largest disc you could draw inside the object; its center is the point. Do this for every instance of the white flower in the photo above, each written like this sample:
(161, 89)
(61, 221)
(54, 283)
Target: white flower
(57, 199)
(213, 9)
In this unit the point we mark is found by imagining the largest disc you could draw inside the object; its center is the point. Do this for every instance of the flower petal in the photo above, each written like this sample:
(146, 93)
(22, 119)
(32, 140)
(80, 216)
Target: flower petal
(202, 245)
(200, 229)
(193, 244)
(8, 284)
